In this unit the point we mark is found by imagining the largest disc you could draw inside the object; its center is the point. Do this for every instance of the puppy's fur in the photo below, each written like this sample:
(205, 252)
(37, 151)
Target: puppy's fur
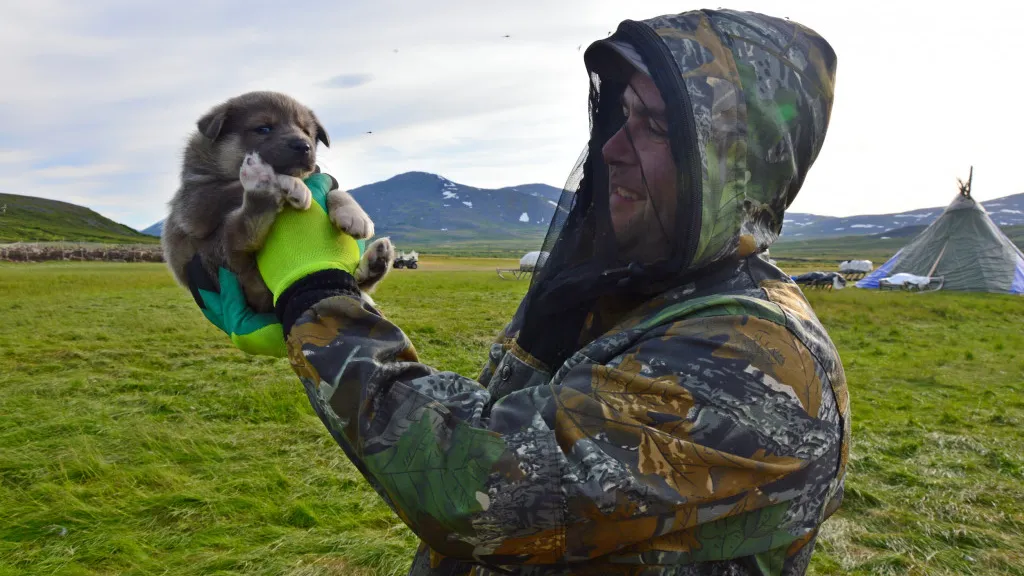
(247, 157)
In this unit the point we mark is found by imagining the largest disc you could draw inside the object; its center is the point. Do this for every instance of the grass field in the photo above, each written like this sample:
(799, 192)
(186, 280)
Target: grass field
(135, 441)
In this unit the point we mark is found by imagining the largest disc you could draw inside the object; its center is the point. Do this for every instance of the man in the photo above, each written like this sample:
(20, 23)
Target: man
(664, 401)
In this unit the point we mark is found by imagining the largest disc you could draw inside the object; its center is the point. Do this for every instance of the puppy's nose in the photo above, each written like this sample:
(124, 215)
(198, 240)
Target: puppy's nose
(300, 145)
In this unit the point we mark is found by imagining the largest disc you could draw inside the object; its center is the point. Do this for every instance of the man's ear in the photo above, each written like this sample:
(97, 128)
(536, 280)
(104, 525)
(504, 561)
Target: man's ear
(211, 124)
(321, 134)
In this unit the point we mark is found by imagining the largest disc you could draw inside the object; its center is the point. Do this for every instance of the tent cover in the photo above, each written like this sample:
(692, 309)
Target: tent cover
(963, 246)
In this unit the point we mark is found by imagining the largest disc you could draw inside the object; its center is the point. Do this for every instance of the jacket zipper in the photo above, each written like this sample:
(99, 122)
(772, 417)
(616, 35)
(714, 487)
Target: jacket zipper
(660, 62)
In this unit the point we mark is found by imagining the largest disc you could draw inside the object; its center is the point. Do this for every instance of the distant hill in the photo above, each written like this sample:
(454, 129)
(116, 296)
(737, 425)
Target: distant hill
(418, 207)
(1006, 211)
(877, 247)
(30, 219)
(426, 211)
(155, 229)
(422, 209)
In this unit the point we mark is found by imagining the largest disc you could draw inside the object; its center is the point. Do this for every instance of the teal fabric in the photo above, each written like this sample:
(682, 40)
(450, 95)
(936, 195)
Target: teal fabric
(253, 333)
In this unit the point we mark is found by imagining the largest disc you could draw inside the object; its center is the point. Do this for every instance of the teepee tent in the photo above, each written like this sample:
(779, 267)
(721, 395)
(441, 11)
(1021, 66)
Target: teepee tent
(963, 247)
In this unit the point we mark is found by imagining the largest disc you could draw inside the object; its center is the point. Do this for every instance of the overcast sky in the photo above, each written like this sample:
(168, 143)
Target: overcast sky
(99, 96)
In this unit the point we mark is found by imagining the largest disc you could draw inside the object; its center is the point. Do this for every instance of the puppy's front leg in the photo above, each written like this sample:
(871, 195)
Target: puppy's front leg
(246, 228)
(348, 215)
(265, 193)
(375, 264)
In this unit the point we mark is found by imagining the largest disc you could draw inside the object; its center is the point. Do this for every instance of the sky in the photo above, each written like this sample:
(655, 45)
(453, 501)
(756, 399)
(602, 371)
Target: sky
(99, 97)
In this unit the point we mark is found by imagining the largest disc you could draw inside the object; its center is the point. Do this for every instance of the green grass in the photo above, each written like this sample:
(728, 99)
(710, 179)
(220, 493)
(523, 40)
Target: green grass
(831, 251)
(469, 244)
(937, 472)
(135, 441)
(29, 219)
(1015, 234)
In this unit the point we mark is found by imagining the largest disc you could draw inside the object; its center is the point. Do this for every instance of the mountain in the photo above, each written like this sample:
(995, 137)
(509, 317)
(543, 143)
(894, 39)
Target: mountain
(1006, 211)
(30, 219)
(422, 208)
(417, 207)
(155, 229)
(414, 206)
(537, 190)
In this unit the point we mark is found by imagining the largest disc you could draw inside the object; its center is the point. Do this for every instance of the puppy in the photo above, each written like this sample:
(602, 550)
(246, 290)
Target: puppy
(247, 158)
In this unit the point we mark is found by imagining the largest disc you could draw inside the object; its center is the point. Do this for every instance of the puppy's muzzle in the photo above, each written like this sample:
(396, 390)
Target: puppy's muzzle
(301, 146)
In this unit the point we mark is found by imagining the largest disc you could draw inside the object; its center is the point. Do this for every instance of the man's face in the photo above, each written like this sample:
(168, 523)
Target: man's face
(642, 173)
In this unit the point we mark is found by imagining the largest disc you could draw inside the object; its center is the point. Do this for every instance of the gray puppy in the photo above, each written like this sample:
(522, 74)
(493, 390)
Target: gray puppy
(247, 158)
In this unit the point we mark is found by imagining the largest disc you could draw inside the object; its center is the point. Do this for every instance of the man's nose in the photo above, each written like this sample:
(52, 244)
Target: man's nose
(618, 149)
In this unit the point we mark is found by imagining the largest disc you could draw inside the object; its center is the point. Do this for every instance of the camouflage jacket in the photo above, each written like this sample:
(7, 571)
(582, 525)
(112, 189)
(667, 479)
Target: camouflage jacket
(706, 434)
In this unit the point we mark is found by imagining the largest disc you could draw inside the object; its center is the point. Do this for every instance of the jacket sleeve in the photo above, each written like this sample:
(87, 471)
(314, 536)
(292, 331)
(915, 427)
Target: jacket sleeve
(681, 446)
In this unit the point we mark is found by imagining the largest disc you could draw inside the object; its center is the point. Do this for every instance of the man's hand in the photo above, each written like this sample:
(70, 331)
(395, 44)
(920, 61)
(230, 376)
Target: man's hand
(226, 308)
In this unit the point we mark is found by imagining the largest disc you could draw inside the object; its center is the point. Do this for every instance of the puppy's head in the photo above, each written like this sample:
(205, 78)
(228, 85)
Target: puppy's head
(283, 131)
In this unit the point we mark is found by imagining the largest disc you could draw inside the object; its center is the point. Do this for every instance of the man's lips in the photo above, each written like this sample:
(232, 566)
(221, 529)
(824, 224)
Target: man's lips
(625, 194)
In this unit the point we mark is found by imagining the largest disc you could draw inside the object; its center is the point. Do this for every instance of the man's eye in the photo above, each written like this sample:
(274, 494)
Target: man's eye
(657, 130)
(265, 129)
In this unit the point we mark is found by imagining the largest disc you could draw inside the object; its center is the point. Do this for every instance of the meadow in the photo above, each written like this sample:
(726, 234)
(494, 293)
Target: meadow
(135, 440)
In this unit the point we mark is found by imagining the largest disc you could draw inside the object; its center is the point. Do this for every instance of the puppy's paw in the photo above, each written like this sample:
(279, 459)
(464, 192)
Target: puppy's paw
(255, 175)
(295, 192)
(375, 263)
(379, 255)
(348, 216)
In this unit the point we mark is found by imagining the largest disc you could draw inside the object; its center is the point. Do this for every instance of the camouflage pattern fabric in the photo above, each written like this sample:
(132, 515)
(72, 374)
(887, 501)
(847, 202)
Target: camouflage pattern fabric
(761, 91)
(707, 432)
(710, 426)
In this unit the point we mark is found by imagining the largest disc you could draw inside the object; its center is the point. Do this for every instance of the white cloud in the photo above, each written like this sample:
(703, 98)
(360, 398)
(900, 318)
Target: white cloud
(78, 172)
(16, 156)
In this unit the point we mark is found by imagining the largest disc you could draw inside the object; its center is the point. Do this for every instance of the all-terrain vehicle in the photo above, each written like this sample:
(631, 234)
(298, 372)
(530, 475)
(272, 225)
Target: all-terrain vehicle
(407, 260)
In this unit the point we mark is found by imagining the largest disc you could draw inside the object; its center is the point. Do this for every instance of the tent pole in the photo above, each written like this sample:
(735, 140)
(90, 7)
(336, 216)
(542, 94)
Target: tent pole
(941, 252)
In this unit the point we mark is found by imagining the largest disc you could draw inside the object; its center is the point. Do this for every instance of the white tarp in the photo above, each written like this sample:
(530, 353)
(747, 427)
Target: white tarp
(532, 260)
(848, 266)
(902, 279)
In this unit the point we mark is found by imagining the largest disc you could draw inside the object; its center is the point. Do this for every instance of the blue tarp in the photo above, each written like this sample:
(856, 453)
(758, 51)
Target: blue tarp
(1018, 277)
(883, 271)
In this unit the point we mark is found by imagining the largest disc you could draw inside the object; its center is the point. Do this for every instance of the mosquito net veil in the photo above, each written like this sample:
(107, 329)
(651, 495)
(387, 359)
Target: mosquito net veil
(586, 274)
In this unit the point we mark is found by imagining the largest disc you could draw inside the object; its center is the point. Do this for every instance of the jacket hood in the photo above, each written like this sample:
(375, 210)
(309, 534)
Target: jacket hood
(747, 102)
(753, 97)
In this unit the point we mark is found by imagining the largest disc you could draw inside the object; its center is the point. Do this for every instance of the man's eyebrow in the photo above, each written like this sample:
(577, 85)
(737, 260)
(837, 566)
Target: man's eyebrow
(643, 109)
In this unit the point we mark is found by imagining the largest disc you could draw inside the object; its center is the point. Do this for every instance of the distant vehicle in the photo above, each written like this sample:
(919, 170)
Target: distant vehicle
(407, 260)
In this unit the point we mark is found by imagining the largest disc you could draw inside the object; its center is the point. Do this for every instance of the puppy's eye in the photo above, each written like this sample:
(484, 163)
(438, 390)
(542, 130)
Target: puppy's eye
(265, 129)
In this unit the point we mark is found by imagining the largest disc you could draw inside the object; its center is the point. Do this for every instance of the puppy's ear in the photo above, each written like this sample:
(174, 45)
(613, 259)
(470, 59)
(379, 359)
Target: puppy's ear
(321, 133)
(211, 124)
